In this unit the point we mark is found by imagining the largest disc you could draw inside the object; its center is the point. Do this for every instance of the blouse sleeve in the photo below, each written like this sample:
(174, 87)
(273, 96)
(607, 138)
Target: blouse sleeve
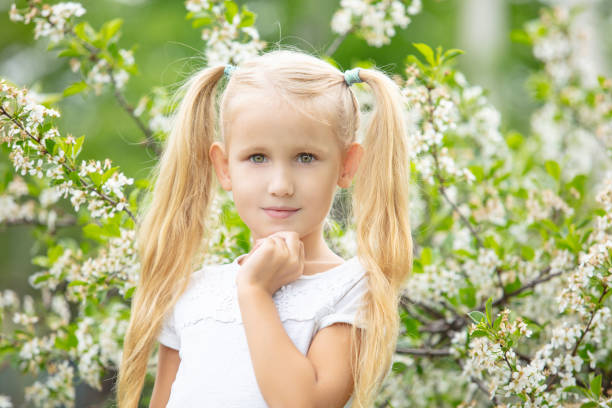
(345, 310)
(168, 335)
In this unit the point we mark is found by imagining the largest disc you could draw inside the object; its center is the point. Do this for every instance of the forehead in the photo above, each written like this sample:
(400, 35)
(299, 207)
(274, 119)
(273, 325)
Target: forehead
(268, 121)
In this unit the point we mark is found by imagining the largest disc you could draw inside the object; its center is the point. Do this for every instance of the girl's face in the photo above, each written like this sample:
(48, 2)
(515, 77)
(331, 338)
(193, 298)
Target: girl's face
(278, 157)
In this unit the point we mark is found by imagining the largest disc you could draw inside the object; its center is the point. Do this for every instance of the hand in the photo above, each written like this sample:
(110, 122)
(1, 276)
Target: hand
(273, 262)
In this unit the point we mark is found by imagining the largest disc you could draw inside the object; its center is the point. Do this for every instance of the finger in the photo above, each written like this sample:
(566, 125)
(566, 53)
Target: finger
(293, 244)
(302, 257)
(281, 247)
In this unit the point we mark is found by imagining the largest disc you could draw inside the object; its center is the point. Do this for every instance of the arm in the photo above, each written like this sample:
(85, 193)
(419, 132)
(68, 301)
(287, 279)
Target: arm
(285, 376)
(167, 366)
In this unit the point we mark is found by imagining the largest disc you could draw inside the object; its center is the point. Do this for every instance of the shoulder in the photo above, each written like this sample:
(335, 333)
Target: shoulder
(210, 294)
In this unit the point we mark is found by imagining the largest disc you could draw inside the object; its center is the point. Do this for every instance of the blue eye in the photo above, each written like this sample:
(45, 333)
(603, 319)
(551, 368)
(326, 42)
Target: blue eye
(307, 161)
(255, 155)
(312, 156)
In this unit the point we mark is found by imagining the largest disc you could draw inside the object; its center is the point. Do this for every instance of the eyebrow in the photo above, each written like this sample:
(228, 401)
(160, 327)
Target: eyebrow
(300, 148)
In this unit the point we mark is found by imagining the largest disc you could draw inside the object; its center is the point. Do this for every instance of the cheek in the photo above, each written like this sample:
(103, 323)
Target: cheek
(320, 187)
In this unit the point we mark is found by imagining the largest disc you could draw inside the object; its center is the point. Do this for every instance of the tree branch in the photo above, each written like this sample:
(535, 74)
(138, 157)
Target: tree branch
(44, 150)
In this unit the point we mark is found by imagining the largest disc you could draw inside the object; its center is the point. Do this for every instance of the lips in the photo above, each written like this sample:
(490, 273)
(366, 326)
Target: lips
(280, 212)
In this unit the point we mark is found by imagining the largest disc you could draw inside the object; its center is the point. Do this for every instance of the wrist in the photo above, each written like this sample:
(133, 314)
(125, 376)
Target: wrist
(245, 288)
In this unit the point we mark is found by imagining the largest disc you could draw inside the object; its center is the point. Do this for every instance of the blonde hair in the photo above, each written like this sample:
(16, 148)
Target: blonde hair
(173, 230)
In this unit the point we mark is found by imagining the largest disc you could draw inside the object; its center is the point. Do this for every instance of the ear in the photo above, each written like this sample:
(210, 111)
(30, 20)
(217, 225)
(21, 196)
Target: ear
(220, 162)
(350, 164)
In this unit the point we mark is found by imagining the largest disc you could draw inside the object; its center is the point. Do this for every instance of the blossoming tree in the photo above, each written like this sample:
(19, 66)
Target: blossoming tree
(509, 303)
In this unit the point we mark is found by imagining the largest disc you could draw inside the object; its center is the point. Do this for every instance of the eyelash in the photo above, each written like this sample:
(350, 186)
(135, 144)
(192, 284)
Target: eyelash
(314, 158)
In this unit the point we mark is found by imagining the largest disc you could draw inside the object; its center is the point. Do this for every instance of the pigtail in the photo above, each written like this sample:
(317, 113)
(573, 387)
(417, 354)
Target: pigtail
(173, 228)
(384, 240)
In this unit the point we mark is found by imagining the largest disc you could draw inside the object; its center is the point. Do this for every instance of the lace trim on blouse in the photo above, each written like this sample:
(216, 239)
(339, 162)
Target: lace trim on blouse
(212, 294)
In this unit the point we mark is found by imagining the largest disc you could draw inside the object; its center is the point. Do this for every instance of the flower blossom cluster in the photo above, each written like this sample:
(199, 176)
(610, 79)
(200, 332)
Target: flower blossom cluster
(98, 338)
(5, 401)
(57, 389)
(374, 21)
(441, 110)
(226, 41)
(157, 106)
(577, 106)
(559, 42)
(22, 119)
(17, 207)
(540, 205)
(118, 261)
(492, 356)
(583, 320)
(51, 21)
(55, 22)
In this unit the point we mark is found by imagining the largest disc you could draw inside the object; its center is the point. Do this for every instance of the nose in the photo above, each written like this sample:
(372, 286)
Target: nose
(281, 182)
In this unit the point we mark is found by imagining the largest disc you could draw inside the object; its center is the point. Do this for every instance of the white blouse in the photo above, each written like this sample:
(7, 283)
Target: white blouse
(205, 326)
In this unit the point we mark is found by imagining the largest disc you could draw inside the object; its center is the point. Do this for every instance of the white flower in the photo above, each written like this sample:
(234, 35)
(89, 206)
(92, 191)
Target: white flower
(341, 21)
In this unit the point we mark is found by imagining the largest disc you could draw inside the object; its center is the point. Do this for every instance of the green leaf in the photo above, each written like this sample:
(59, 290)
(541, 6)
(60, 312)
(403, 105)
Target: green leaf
(41, 261)
(202, 21)
(463, 253)
(76, 148)
(77, 283)
(108, 173)
(513, 286)
(552, 168)
(520, 36)
(427, 53)
(467, 296)
(75, 88)
(488, 310)
(95, 232)
(231, 9)
(96, 178)
(550, 225)
(247, 18)
(74, 176)
(69, 52)
(514, 140)
(426, 256)
(50, 145)
(129, 293)
(141, 183)
(111, 229)
(85, 32)
(490, 242)
(54, 252)
(596, 386)
(527, 252)
(450, 54)
(476, 316)
(477, 171)
(497, 323)
(590, 404)
(412, 327)
(479, 333)
(411, 59)
(42, 278)
(110, 28)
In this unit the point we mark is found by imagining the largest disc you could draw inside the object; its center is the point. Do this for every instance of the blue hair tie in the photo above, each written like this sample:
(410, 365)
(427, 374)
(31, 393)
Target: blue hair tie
(352, 76)
(229, 68)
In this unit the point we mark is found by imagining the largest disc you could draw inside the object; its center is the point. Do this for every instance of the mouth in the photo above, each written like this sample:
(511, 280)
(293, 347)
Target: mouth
(280, 212)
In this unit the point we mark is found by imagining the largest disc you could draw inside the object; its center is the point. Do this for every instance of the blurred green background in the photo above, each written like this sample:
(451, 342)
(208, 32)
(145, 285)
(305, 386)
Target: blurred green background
(169, 49)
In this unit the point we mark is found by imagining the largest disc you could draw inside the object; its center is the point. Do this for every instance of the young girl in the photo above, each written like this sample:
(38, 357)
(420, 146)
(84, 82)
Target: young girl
(290, 324)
